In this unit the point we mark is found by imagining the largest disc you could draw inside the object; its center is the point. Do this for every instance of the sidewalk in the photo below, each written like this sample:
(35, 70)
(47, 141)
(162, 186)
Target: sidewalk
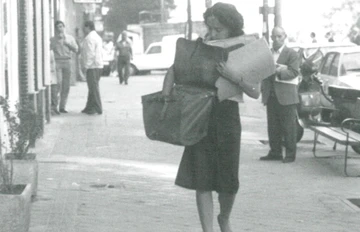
(100, 173)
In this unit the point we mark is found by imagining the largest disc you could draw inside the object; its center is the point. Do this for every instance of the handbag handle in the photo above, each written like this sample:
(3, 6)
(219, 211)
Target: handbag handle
(163, 111)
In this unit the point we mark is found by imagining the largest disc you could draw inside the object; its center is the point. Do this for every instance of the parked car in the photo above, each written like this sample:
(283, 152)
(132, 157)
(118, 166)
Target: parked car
(341, 67)
(158, 55)
(306, 50)
(338, 67)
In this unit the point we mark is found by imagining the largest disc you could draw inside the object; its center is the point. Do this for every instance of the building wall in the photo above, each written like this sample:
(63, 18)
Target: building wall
(25, 30)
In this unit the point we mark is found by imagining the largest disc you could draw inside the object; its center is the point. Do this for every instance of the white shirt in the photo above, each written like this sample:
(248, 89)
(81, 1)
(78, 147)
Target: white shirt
(92, 50)
(276, 54)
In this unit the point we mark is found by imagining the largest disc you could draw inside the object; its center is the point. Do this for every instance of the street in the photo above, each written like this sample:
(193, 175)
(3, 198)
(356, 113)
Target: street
(101, 173)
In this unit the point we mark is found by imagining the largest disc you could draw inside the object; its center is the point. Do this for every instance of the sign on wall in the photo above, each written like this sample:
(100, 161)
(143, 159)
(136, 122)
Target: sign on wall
(88, 1)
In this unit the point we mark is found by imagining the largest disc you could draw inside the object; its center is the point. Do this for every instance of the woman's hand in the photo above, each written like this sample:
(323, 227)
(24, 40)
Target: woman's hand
(225, 72)
(252, 90)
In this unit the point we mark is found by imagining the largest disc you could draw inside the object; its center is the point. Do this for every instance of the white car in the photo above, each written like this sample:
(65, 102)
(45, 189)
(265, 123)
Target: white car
(341, 67)
(158, 56)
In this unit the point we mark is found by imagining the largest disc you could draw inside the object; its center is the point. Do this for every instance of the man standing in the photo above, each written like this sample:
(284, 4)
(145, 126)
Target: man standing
(125, 55)
(62, 45)
(91, 54)
(280, 95)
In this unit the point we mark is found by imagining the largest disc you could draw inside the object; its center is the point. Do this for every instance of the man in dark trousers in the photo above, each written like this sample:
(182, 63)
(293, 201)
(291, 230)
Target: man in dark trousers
(124, 56)
(91, 54)
(280, 95)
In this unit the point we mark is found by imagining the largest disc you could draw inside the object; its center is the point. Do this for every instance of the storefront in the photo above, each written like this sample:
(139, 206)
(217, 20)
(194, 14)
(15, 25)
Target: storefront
(25, 31)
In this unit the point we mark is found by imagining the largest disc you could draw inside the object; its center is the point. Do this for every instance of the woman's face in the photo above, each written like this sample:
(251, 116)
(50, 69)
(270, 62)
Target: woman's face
(216, 30)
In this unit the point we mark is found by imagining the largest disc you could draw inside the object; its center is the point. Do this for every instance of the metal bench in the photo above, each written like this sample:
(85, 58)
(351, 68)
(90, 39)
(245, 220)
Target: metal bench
(342, 134)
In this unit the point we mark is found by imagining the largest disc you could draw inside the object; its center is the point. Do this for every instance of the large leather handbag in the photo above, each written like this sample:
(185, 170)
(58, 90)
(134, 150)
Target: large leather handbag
(182, 120)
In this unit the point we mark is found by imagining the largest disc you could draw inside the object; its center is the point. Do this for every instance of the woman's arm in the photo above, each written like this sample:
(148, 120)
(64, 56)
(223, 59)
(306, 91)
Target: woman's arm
(252, 90)
(168, 82)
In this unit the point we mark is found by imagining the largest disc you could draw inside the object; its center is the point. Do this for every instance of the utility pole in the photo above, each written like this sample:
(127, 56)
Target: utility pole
(162, 11)
(189, 22)
(208, 3)
(265, 10)
(278, 17)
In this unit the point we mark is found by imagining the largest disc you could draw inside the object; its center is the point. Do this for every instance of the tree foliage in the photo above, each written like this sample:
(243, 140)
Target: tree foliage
(124, 12)
(350, 8)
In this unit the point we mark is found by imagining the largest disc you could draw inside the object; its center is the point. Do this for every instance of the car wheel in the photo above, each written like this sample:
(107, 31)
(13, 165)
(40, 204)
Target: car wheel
(133, 70)
(356, 149)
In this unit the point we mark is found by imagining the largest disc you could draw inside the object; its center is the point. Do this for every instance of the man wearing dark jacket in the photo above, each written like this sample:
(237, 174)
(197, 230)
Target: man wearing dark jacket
(280, 95)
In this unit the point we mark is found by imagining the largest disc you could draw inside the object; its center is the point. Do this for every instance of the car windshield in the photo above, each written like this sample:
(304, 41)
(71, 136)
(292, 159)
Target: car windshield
(309, 51)
(351, 62)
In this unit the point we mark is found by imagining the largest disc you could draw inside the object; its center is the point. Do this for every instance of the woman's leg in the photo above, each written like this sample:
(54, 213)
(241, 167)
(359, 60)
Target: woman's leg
(205, 209)
(226, 201)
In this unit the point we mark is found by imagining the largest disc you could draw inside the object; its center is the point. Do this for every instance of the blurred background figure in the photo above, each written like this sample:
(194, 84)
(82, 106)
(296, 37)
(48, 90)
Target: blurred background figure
(329, 36)
(108, 53)
(54, 85)
(80, 75)
(313, 37)
(125, 54)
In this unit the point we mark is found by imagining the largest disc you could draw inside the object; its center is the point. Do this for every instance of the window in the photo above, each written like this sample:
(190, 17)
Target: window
(155, 50)
(351, 62)
(326, 67)
(334, 66)
(309, 51)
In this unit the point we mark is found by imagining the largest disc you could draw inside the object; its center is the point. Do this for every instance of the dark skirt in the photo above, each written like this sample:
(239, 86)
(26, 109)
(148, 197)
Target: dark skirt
(213, 163)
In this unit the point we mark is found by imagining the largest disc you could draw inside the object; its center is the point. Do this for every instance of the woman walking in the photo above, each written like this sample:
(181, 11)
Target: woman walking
(213, 163)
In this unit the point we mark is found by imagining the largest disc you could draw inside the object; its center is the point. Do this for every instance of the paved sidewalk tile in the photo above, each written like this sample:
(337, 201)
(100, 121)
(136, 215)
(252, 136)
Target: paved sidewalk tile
(100, 173)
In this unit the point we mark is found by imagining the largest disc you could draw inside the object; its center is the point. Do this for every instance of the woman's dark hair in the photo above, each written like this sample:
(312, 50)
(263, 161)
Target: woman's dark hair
(228, 16)
(59, 22)
(90, 25)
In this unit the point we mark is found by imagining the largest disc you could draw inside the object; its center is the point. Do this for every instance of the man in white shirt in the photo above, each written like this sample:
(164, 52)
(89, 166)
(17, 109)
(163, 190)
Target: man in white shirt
(91, 54)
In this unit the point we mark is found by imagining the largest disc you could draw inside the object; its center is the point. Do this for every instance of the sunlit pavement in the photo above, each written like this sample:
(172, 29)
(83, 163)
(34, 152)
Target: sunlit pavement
(101, 173)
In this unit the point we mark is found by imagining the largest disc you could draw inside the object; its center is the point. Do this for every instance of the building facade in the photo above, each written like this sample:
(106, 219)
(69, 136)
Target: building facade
(25, 31)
